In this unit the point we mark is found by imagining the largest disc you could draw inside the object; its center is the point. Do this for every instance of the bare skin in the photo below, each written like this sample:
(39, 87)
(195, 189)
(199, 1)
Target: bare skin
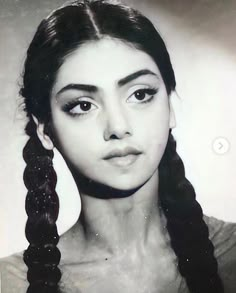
(119, 240)
(124, 247)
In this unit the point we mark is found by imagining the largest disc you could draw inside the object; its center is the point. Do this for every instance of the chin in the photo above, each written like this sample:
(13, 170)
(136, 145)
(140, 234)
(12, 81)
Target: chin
(110, 183)
(107, 185)
(126, 183)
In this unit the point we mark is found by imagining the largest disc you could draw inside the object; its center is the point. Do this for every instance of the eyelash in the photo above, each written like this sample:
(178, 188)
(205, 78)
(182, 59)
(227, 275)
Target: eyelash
(71, 104)
(150, 91)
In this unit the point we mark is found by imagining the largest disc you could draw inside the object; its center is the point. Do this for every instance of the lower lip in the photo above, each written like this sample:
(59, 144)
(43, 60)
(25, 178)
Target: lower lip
(123, 161)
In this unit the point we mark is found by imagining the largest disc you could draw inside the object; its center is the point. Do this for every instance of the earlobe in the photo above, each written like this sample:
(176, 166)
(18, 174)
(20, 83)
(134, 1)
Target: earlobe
(43, 137)
(172, 121)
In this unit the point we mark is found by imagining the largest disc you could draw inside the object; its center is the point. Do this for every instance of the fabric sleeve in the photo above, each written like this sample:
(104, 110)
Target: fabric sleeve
(223, 237)
(13, 272)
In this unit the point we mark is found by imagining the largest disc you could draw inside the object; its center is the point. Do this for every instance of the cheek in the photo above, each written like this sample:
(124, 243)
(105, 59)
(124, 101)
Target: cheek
(153, 134)
(75, 141)
(157, 144)
(153, 127)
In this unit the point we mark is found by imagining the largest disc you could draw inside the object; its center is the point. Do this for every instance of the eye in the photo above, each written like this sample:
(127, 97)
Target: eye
(78, 107)
(144, 95)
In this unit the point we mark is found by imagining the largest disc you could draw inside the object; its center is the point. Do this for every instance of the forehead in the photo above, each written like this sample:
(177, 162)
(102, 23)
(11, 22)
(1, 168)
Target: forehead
(102, 63)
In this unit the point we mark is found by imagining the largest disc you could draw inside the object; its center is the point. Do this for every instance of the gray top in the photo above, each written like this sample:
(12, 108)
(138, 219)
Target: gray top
(223, 235)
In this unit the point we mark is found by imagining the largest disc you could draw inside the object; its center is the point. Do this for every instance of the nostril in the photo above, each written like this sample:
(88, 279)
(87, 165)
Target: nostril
(119, 135)
(116, 135)
(116, 126)
(113, 136)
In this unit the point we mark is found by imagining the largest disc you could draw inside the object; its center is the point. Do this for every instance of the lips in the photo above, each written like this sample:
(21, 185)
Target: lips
(123, 157)
(124, 161)
(122, 153)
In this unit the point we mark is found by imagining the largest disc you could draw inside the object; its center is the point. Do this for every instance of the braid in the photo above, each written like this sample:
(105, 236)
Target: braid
(188, 232)
(42, 205)
(56, 37)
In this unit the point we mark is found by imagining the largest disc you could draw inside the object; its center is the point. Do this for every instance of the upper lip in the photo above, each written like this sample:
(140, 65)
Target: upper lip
(122, 152)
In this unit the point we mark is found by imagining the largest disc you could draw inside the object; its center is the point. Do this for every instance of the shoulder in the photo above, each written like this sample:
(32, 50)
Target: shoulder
(13, 273)
(223, 237)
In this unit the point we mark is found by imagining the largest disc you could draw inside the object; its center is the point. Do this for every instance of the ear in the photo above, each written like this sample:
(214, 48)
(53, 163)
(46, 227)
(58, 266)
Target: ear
(43, 137)
(172, 121)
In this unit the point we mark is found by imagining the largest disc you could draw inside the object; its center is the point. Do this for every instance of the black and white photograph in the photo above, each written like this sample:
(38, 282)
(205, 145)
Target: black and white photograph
(117, 146)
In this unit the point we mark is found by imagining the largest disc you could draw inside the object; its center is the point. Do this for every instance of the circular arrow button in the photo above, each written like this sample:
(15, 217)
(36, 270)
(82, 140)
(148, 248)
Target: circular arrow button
(221, 145)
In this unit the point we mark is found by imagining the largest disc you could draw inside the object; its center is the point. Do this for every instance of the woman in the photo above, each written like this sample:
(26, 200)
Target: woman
(97, 86)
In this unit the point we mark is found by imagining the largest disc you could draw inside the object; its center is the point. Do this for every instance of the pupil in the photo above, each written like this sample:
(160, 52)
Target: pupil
(140, 95)
(85, 106)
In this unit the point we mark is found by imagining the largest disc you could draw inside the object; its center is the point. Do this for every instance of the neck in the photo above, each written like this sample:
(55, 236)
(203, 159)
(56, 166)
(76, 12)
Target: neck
(118, 224)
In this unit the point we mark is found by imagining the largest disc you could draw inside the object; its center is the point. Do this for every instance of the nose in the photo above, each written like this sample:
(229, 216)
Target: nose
(117, 125)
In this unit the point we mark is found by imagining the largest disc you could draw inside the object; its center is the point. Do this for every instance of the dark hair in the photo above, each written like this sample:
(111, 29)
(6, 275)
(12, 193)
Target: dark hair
(59, 34)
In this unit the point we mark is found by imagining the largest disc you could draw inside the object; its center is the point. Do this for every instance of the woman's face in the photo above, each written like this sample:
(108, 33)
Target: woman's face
(108, 97)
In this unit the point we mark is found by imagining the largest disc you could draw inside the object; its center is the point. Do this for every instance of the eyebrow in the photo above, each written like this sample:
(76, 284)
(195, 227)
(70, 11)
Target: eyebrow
(94, 89)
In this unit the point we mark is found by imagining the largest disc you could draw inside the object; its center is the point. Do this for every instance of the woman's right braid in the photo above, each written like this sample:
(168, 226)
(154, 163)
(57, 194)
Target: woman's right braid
(188, 232)
(42, 207)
